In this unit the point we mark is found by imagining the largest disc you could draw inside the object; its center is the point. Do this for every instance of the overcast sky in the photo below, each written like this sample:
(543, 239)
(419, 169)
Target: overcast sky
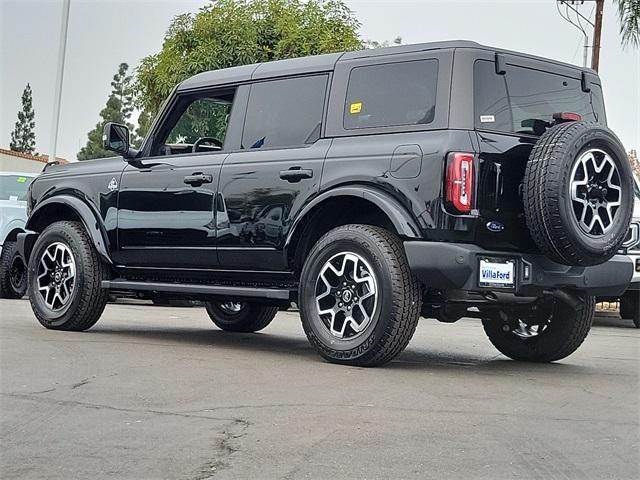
(104, 33)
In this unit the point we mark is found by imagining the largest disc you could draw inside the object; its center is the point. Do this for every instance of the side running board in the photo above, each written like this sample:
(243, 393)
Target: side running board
(186, 288)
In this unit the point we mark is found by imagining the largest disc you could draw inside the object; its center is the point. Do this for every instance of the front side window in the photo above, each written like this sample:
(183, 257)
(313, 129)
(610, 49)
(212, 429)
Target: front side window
(391, 94)
(198, 124)
(284, 113)
(524, 100)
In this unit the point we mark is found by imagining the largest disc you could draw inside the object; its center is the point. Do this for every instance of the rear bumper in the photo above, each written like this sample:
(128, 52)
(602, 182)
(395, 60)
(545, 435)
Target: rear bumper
(452, 266)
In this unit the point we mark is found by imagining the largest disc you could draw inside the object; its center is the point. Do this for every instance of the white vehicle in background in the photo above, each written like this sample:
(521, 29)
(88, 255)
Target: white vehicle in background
(13, 215)
(630, 300)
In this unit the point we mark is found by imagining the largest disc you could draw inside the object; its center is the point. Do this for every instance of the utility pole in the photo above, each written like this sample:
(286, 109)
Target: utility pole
(57, 94)
(597, 32)
(572, 6)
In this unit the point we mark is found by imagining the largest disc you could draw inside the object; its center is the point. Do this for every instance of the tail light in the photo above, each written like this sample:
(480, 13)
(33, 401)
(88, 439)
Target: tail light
(460, 181)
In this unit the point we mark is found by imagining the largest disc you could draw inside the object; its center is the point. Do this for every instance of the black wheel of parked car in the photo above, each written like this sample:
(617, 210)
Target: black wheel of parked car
(65, 275)
(630, 306)
(237, 316)
(13, 274)
(578, 193)
(554, 332)
(359, 301)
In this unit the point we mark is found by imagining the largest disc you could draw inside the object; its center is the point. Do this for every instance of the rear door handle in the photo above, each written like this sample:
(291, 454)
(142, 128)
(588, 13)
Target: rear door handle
(295, 174)
(198, 179)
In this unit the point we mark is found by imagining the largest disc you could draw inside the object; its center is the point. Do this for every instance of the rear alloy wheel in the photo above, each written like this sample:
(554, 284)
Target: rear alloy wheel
(13, 273)
(578, 194)
(238, 316)
(550, 331)
(359, 302)
(65, 278)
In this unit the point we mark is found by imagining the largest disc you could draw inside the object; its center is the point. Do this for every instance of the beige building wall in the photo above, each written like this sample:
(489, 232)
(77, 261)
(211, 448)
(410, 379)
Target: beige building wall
(17, 164)
(22, 162)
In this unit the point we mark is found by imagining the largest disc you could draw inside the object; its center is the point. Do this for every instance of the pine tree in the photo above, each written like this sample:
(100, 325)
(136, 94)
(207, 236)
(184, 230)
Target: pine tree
(118, 109)
(23, 137)
(144, 124)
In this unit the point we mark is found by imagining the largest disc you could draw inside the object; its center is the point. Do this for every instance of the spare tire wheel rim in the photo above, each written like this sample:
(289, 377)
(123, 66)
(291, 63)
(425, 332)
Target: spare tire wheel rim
(56, 276)
(346, 295)
(596, 192)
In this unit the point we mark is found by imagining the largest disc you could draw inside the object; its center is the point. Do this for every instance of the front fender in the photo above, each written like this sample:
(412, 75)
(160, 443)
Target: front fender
(404, 224)
(90, 219)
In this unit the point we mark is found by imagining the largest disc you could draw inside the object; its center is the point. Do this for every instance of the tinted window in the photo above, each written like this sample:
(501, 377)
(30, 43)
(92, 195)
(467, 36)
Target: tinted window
(204, 117)
(515, 101)
(391, 94)
(14, 187)
(284, 113)
(201, 118)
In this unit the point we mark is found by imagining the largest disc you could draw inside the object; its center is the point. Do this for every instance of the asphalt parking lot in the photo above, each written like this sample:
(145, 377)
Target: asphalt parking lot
(159, 392)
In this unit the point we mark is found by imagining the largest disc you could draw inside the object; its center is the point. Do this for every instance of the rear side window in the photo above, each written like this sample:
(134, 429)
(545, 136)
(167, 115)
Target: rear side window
(391, 94)
(284, 113)
(515, 101)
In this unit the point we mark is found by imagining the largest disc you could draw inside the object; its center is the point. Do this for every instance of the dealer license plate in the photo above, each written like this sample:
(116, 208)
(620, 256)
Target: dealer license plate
(497, 272)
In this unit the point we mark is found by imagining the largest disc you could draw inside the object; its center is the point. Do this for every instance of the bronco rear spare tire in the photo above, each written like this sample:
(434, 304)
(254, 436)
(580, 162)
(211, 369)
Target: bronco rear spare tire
(578, 193)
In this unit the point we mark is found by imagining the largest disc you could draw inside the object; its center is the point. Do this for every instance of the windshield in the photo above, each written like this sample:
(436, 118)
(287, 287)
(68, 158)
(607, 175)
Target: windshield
(14, 187)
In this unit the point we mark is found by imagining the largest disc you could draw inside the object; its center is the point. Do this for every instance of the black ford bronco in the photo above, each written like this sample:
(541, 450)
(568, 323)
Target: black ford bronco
(442, 180)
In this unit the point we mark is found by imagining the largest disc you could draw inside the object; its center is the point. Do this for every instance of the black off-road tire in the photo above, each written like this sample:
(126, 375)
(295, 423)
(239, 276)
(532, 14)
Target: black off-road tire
(398, 305)
(88, 298)
(252, 317)
(630, 306)
(565, 332)
(546, 194)
(10, 285)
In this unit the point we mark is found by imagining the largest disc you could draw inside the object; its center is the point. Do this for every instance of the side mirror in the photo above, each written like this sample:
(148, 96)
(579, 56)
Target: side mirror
(115, 137)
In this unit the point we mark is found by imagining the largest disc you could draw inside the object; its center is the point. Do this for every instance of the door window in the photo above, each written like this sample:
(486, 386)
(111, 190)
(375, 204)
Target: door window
(284, 113)
(197, 124)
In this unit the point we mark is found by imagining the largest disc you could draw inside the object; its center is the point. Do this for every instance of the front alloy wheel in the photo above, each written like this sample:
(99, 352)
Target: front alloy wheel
(56, 276)
(65, 278)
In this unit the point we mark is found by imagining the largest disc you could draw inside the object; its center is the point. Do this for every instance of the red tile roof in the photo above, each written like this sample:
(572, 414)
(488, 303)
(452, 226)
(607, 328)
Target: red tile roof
(37, 158)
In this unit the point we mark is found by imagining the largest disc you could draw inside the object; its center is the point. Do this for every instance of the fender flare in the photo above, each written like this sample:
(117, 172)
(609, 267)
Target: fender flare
(402, 220)
(17, 224)
(90, 219)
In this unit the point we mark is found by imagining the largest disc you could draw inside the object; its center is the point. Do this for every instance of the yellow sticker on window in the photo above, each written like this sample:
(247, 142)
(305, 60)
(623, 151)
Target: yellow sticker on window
(356, 107)
(21, 179)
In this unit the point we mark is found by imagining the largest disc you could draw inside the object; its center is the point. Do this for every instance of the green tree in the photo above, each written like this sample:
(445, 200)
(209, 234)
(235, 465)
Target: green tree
(226, 33)
(23, 137)
(375, 44)
(144, 124)
(629, 15)
(118, 109)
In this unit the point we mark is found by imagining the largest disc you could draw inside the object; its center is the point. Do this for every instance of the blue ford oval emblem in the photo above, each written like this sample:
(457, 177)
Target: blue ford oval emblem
(494, 226)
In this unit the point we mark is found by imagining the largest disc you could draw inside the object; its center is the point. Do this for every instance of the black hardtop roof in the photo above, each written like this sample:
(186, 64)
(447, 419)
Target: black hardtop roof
(327, 62)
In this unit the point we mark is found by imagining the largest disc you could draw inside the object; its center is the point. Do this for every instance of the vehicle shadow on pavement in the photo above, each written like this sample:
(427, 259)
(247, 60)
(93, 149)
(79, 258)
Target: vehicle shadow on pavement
(265, 343)
(260, 342)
